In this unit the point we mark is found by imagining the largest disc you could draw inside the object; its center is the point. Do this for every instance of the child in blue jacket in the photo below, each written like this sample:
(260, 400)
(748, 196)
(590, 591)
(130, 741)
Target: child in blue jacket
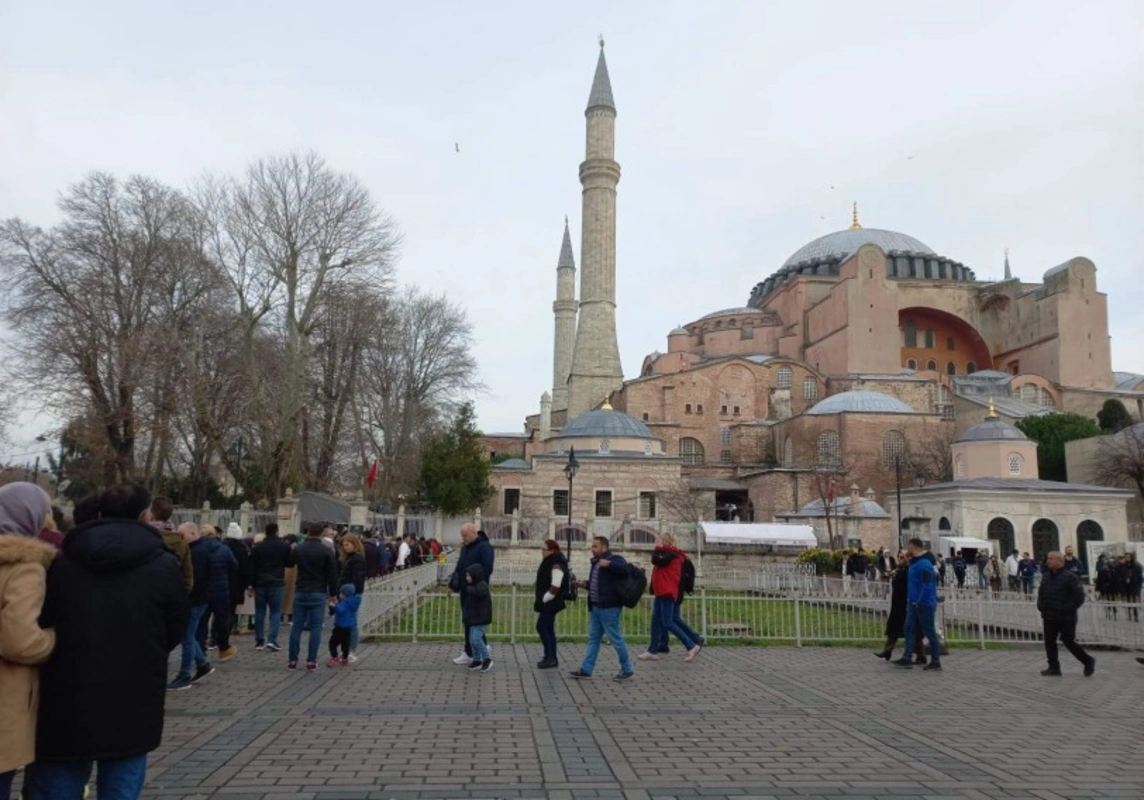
(345, 620)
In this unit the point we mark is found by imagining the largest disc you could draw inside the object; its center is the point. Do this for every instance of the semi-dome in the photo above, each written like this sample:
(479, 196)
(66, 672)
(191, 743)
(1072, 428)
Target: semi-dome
(992, 429)
(606, 423)
(842, 243)
(860, 402)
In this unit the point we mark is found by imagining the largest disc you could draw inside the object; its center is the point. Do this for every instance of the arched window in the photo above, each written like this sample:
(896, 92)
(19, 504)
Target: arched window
(970, 368)
(788, 453)
(1046, 399)
(1015, 462)
(1087, 531)
(931, 365)
(950, 368)
(786, 377)
(605, 447)
(1000, 530)
(893, 448)
(943, 524)
(912, 364)
(910, 334)
(959, 466)
(1028, 393)
(691, 450)
(829, 448)
(1046, 538)
(809, 388)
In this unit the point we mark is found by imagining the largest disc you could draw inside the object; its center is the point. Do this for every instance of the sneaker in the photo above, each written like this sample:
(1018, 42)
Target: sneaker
(273, 647)
(291, 665)
(353, 658)
(211, 645)
(333, 662)
(475, 664)
(693, 652)
(486, 665)
(259, 646)
(228, 653)
(463, 660)
(648, 657)
(623, 676)
(342, 662)
(180, 682)
(933, 666)
(1050, 672)
(580, 673)
(1090, 668)
(311, 666)
(202, 672)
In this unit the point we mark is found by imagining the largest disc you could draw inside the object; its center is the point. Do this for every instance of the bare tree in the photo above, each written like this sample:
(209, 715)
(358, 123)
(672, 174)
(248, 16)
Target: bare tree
(932, 453)
(685, 504)
(1119, 461)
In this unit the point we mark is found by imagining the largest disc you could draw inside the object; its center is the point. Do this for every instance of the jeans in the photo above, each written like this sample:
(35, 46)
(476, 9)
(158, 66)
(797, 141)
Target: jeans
(264, 597)
(355, 635)
(678, 618)
(192, 650)
(478, 643)
(982, 581)
(309, 611)
(115, 778)
(605, 621)
(923, 617)
(546, 627)
(1066, 630)
(663, 622)
(1027, 583)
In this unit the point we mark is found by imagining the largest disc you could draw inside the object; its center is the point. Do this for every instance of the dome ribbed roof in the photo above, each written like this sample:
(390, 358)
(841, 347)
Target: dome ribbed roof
(860, 401)
(726, 312)
(842, 243)
(992, 429)
(603, 422)
(513, 463)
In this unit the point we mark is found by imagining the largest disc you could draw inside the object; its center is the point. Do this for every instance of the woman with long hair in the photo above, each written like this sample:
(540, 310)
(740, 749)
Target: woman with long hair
(895, 625)
(352, 552)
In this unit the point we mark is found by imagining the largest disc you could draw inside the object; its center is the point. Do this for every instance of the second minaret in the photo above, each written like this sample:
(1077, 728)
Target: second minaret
(596, 369)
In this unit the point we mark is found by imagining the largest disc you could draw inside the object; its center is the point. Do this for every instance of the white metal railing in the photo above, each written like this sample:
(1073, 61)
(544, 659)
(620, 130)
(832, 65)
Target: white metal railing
(430, 613)
(390, 594)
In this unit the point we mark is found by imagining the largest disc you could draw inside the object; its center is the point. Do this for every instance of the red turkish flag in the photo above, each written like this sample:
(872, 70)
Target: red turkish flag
(371, 478)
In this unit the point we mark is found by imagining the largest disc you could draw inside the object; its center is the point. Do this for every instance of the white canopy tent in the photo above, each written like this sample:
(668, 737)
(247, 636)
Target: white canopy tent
(772, 534)
(964, 542)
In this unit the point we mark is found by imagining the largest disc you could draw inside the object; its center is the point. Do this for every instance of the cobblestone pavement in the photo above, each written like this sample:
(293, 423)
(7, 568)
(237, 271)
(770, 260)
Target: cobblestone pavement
(404, 722)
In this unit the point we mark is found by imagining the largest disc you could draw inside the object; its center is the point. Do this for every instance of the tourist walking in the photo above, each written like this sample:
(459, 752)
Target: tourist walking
(345, 620)
(220, 596)
(552, 579)
(1107, 586)
(993, 569)
(921, 605)
(268, 581)
(477, 615)
(666, 579)
(405, 550)
(982, 561)
(316, 586)
(896, 622)
(162, 509)
(116, 599)
(959, 569)
(24, 562)
(1058, 599)
(1072, 563)
(476, 550)
(353, 572)
(291, 579)
(240, 578)
(1013, 571)
(1130, 577)
(202, 550)
(605, 609)
(1028, 569)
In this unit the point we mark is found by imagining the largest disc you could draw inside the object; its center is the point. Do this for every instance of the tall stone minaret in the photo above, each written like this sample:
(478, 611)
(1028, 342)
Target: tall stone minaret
(596, 369)
(564, 309)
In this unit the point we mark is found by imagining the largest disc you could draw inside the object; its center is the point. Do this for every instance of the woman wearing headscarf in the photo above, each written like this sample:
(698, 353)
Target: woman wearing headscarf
(25, 510)
(896, 623)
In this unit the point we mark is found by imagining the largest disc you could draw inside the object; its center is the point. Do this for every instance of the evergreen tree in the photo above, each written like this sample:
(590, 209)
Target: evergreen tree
(1113, 416)
(454, 470)
(1050, 432)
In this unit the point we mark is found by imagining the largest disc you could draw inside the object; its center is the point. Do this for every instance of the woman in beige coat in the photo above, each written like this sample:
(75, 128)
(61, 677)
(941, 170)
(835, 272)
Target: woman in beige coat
(24, 510)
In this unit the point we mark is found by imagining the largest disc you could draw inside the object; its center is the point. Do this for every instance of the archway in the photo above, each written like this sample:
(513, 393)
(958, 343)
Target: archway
(943, 524)
(1001, 531)
(641, 534)
(1046, 538)
(929, 335)
(578, 533)
(1087, 531)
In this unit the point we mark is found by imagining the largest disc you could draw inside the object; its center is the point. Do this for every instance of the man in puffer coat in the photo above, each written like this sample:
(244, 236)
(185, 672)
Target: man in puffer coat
(476, 550)
(1058, 599)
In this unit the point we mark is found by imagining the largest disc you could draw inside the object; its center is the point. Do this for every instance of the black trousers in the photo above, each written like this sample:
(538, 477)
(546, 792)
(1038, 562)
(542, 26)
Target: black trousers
(220, 623)
(1066, 630)
(340, 638)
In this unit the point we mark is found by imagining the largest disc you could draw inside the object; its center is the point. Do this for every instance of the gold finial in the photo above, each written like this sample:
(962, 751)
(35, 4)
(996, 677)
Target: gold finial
(992, 409)
(854, 223)
(607, 404)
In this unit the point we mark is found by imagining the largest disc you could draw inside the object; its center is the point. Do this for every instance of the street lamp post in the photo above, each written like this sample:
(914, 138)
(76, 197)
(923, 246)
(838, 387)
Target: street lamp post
(570, 470)
(898, 484)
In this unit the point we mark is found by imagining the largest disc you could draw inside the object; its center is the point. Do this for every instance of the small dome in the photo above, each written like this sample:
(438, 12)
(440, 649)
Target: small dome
(513, 463)
(680, 332)
(726, 312)
(842, 243)
(992, 429)
(860, 402)
(841, 505)
(606, 423)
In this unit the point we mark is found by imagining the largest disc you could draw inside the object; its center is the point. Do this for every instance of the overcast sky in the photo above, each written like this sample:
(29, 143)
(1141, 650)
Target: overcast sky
(744, 131)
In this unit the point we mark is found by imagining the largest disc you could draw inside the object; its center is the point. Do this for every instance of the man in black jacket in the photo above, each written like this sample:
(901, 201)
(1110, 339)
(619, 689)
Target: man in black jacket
(268, 580)
(315, 587)
(605, 609)
(116, 599)
(477, 549)
(1060, 595)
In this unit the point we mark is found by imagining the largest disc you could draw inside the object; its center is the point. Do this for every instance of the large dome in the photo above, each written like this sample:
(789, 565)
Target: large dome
(842, 243)
(606, 423)
(860, 402)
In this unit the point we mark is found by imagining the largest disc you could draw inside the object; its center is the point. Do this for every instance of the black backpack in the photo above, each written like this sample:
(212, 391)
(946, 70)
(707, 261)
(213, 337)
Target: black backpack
(568, 590)
(630, 588)
(687, 576)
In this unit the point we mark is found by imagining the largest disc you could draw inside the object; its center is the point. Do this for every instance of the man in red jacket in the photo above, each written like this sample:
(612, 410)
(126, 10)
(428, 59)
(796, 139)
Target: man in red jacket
(667, 570)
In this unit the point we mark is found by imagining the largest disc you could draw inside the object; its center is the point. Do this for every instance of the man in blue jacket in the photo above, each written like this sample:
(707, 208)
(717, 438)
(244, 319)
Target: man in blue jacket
(921, 605)
(477, 549)
(604, 609)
